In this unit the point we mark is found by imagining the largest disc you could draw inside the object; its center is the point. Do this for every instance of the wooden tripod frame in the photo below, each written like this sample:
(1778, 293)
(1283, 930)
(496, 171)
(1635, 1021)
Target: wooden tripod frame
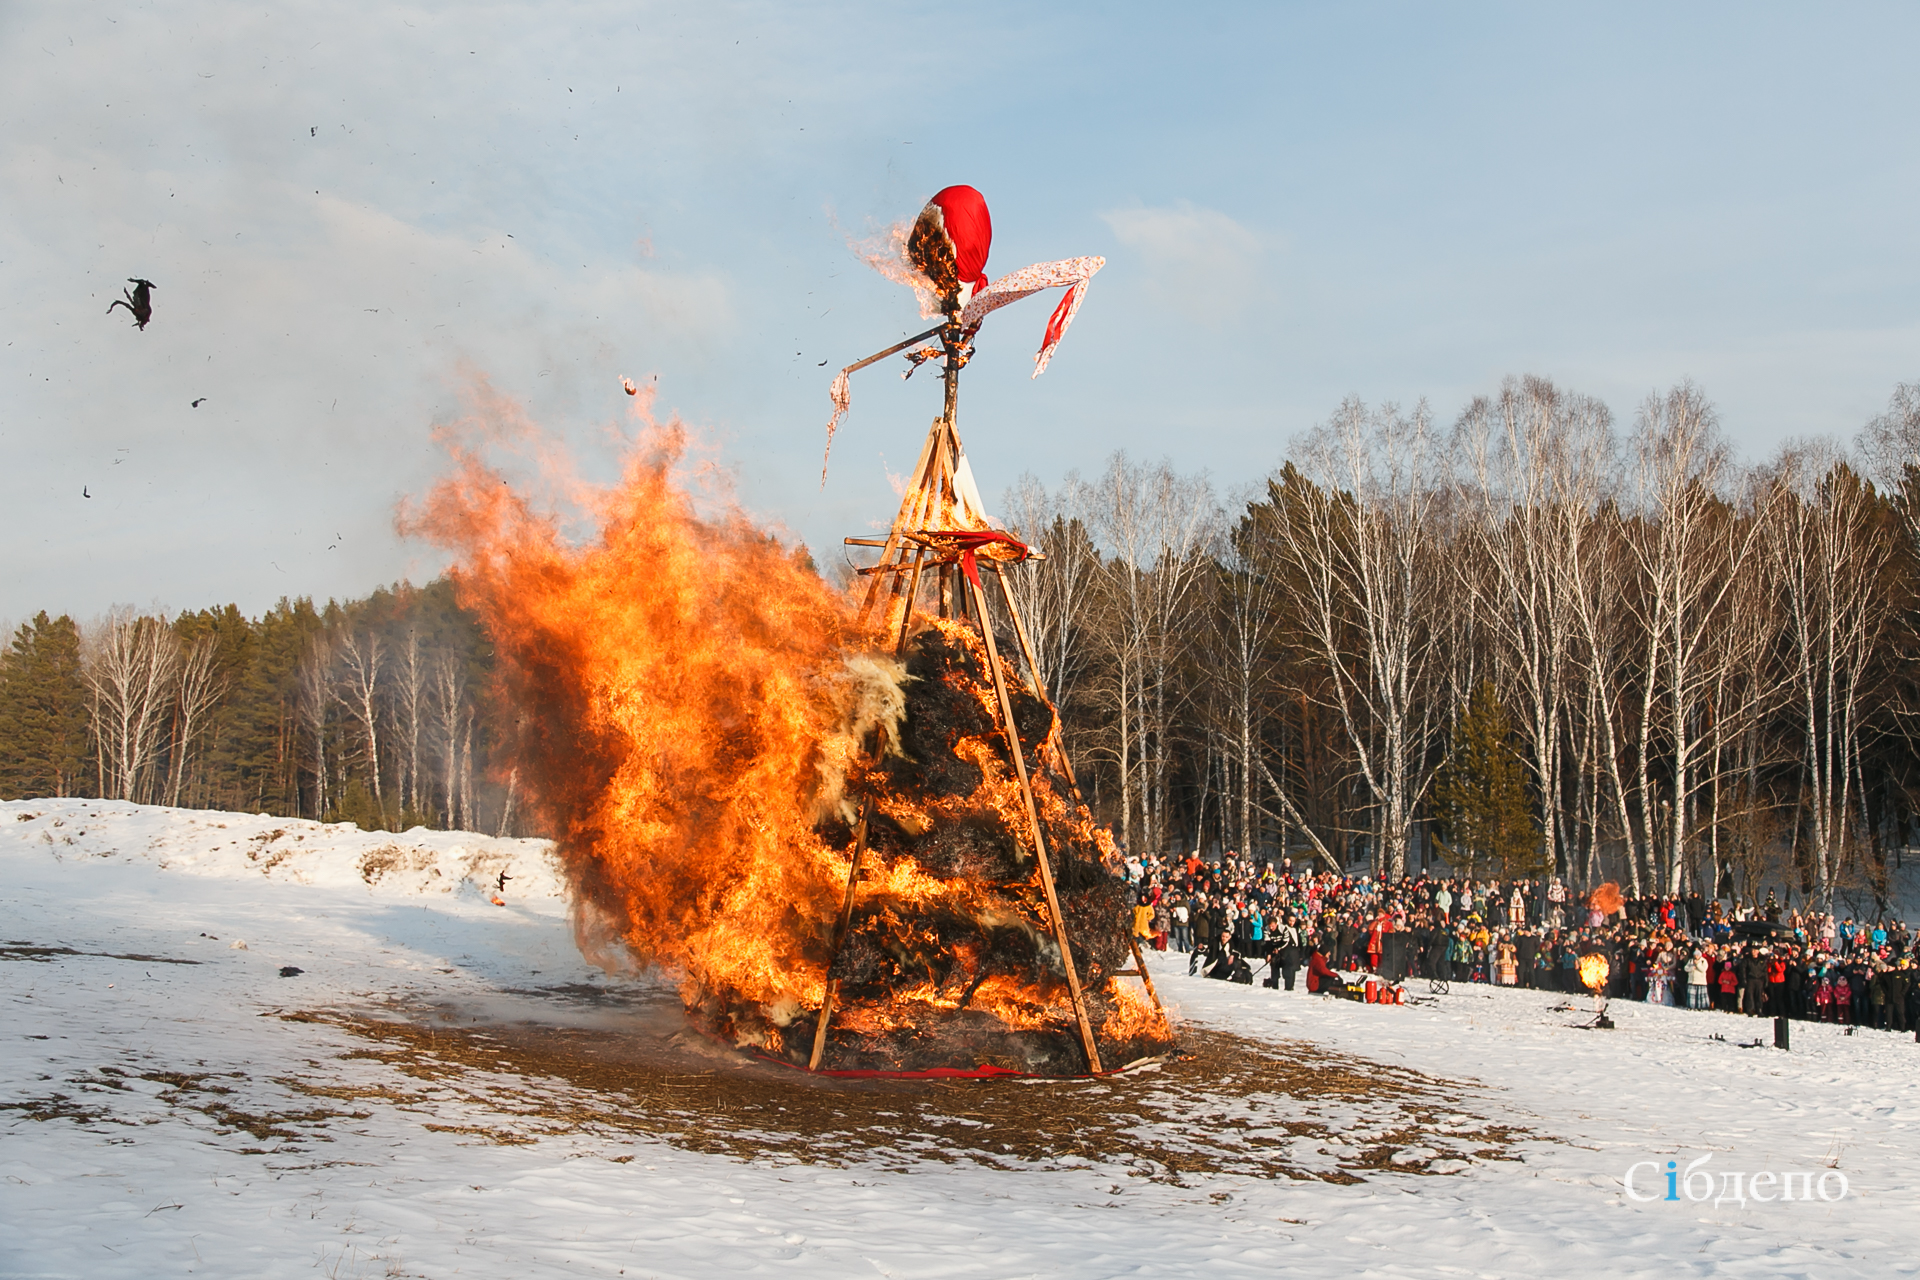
(941, 496)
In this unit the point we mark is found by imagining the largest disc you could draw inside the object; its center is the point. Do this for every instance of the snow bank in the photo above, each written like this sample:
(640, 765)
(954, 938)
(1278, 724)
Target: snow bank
(297, 850)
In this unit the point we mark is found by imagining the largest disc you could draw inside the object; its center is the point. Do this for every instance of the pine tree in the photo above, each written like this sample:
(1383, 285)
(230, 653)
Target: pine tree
(43, 712)
(217, 765)
(1480, 795)
(259, 735)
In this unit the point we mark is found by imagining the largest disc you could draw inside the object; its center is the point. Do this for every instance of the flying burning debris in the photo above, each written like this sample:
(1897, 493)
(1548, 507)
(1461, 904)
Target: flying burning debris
(139, 302)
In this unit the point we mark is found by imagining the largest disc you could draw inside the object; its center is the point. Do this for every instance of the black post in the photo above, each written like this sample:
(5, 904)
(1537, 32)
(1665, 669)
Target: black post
(1781, 1036)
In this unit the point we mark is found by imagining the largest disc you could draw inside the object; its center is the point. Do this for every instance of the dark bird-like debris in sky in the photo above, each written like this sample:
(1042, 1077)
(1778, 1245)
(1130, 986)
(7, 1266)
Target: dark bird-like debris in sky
(84, 493)
(197, 403)
(139, 303)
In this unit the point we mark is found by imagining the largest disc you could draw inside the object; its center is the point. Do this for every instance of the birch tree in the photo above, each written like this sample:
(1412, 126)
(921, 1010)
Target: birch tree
(362, 658)
(1054, 594)
(1154, 528)
(313, 694)
(1689, 547)
(1248, 618)
(1534, 460)
(130, 671)
(1365, 575)
(410, 695)
(453, 724)
(1825, 556)
(200, 690)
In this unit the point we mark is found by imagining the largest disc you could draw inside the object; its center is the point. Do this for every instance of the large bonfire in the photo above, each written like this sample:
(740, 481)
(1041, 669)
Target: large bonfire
(814, 817)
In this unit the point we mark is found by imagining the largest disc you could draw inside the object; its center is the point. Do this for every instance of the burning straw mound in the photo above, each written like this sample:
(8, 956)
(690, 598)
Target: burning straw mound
(950, 957)
(694, 706)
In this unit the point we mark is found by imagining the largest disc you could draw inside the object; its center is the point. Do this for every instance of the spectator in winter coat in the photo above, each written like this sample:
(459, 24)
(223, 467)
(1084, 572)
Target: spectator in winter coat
(1753, 982)
(1321, 977)
(1204, 933)
(1729, 987)
(1897, 981)
(1286, 951)
(1697, 981)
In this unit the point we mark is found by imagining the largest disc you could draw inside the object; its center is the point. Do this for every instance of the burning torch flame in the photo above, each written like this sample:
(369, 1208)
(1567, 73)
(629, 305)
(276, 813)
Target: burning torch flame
(1594, 971)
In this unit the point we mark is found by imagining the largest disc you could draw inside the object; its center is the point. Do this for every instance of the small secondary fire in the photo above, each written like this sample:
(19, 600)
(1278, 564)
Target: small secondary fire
(703, 724)
(1594, 971)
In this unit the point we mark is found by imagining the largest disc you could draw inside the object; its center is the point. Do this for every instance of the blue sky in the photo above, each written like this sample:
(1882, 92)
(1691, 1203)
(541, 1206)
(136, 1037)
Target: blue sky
(351, 209)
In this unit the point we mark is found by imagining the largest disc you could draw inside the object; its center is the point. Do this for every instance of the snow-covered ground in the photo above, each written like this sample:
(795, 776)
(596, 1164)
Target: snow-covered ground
(167, 1114)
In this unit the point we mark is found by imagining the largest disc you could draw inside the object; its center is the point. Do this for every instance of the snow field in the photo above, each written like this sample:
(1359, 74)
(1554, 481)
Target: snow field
(120, 1155)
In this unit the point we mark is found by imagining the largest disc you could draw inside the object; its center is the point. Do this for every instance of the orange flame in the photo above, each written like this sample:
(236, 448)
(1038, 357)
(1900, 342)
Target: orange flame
(1594, 969)
(673, 680)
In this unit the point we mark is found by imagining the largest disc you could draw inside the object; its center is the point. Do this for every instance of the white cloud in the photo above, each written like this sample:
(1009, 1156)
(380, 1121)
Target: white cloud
(1199, 262)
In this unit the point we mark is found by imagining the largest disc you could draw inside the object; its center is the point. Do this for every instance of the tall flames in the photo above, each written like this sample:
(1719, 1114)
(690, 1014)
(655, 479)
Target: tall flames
(694, 713)
(671, 682)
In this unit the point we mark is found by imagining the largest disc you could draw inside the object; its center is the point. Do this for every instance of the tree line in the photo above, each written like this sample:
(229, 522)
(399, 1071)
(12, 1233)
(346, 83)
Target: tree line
(367, 711)
(1527, 642)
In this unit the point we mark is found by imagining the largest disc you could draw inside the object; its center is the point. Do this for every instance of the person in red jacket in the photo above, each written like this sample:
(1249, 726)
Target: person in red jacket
(1320, 975)
(1777, 986)
(1729, 984)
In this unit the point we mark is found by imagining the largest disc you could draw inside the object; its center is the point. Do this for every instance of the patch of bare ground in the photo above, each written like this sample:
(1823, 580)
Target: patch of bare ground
(186, 1091)
(1225, 1104)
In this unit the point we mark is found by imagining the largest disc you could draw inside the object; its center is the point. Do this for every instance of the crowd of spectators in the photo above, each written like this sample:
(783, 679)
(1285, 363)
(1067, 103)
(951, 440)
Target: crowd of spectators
(1236, 917)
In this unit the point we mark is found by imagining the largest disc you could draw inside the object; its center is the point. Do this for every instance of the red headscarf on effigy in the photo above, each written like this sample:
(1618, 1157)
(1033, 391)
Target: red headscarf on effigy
(963, 213)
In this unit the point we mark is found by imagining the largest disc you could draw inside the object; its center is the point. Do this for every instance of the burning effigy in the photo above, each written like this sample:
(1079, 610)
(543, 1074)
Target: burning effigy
(850, 831)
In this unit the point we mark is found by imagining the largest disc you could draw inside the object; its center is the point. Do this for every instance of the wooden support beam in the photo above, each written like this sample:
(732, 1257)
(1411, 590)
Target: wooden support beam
(1059, 746)
(1039, 836)
(840, 936)
(1140, 964)
(913, 593)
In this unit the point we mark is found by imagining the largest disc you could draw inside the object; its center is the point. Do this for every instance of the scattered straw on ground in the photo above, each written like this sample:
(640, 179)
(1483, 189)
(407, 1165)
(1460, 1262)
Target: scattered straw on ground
(1224, 1104)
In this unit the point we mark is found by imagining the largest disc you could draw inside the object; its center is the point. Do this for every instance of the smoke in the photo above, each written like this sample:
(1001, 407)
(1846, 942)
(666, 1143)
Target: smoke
(886, 252)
